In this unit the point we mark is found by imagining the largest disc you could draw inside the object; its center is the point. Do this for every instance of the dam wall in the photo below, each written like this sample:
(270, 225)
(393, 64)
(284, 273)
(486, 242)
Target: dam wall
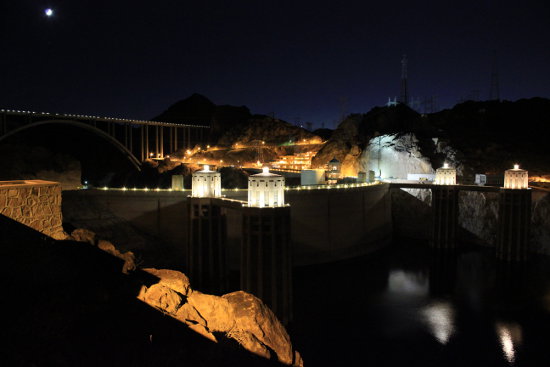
(326, 224)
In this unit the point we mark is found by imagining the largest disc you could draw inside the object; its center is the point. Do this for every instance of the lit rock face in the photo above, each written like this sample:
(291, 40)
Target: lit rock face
(393, 157)
(34, 203)
(238, 315)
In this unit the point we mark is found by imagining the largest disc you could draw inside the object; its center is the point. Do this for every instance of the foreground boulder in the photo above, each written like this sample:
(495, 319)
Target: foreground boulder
(239, 316)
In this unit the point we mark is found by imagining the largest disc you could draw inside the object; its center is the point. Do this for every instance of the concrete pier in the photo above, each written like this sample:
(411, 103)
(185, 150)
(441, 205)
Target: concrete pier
(444, 216)
(206, 244)
(514, 221)
(266, 262)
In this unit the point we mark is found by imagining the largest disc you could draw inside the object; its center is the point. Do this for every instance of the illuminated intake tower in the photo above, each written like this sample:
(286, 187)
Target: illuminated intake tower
(265, 252)
(207, 232)
(514, 216)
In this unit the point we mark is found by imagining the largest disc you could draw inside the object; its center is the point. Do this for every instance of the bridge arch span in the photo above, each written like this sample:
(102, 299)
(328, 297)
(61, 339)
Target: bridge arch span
(125, 151)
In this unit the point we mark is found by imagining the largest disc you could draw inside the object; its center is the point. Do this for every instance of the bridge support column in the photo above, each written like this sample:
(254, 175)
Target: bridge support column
(266, 262)
(171, 137)
(162, 141)
(175, 139)
(142, 138)
(130, 130)
(156, 141)
(444, 216)
(206, 245)
(514, 221)
(147, 142)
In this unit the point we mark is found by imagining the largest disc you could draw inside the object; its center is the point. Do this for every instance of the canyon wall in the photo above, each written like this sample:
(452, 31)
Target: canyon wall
(477, 216)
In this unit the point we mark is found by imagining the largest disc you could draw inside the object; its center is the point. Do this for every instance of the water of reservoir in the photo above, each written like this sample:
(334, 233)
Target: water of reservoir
(408, 306)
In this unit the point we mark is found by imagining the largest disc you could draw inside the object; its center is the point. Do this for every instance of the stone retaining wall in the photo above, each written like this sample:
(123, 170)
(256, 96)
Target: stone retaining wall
(35, 203)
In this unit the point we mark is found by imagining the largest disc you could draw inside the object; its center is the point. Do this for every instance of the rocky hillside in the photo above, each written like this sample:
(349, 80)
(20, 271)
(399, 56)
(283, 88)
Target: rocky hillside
(478, 136)
(350, 141)
(263, 128)
(231, 124)
(67, 303)
(25, 162)
(199, 110)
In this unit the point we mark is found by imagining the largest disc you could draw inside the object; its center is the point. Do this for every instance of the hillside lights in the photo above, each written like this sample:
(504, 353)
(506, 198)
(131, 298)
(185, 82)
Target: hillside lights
(516, 178)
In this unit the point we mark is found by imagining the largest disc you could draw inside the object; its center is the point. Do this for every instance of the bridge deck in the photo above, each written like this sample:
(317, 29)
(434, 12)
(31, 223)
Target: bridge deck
(65, 116)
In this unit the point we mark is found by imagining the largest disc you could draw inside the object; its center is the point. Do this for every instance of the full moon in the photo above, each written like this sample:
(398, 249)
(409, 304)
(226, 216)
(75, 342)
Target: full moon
(48, 12)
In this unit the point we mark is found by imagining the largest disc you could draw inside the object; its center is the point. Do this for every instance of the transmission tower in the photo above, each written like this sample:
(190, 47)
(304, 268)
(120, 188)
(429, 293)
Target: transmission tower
(404, 87)
(494, 93)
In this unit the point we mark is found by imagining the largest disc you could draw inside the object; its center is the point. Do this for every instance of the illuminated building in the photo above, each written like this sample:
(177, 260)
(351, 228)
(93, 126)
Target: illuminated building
(206, 183)
(298, 161)
(266, 189)
(445, 175)
(312, 177)
(333, 171)
(516, 178)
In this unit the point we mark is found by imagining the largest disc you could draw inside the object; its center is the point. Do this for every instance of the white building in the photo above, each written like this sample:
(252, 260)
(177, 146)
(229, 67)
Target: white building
(206, 183)
(266, 189)
(516, 178)
(312, 177)
(445, 175)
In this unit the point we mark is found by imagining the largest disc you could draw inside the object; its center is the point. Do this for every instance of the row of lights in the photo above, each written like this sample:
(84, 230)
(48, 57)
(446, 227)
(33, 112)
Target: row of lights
(287, 188)
(99, 118)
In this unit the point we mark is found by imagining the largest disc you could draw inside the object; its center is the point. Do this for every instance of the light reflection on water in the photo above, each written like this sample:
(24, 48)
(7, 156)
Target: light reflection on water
(402, 282)
(510, 337)
(440, 318)
(408, 306)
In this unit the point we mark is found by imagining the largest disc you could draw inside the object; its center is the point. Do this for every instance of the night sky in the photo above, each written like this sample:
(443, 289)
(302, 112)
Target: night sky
(301, 60)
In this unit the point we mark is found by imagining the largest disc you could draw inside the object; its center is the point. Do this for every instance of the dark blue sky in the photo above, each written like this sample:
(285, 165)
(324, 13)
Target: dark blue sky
(297, 59)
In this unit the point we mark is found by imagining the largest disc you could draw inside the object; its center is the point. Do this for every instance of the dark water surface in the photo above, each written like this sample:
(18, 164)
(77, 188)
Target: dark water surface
(408, 306)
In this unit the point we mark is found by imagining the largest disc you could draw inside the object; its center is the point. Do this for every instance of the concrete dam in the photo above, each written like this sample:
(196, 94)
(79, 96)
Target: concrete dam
(327, 224)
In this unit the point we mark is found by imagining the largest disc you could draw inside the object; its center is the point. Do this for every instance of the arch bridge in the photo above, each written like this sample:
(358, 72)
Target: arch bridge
(138, 140)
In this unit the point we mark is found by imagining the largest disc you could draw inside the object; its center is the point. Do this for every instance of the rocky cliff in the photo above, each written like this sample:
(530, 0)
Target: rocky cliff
(359, 140)
(478, 216)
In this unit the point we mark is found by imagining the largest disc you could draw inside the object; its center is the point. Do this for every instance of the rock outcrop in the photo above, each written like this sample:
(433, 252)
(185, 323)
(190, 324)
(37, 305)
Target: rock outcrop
(239, 316)
(395, 134)
(84, 235)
